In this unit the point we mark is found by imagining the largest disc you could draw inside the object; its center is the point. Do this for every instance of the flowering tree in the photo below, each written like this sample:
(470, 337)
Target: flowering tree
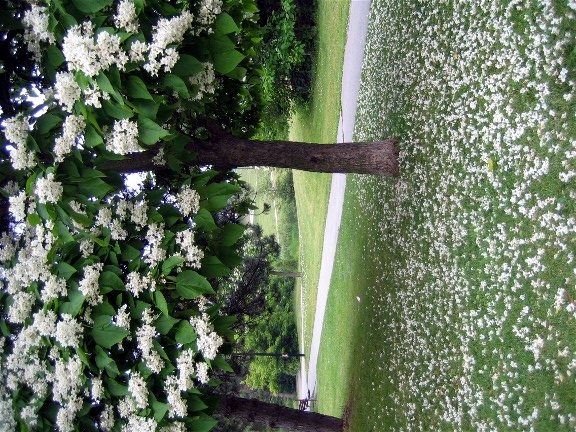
(103, 311)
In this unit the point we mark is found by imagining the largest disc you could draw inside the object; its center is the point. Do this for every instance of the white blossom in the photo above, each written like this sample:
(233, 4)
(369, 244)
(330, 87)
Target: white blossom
(177, 405)
(188, 200)
(202, 373)
(144, 336)
(123, 138)
(138, 389)
(48, 190)
(208, 341)
(68, 331)
(126, 16)
(137, 283)
(66, 90)
(186, 369)
(16, 131)
(89, 285)
(45, 322)
(167, 32)
(36, 22)
(18, 206)
(21, 307)
(72, 130)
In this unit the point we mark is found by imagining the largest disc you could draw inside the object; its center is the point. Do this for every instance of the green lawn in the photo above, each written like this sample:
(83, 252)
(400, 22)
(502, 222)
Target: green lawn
(464, 264)
(318, 122)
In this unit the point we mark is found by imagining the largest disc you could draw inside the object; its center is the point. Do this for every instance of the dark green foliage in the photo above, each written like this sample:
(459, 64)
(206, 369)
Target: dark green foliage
(286, 59)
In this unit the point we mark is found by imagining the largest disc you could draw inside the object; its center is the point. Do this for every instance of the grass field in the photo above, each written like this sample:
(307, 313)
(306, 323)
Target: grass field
(465, 263)
(318, 122)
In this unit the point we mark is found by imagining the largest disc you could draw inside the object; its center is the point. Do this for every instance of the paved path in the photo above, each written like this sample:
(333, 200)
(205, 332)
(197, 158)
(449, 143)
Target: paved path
(352, 68)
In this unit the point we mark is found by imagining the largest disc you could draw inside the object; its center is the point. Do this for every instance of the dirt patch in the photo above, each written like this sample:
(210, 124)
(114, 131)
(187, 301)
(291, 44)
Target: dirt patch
(347, 414)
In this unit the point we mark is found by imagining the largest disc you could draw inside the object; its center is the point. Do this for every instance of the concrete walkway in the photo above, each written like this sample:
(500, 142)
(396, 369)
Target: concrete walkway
(352, 68)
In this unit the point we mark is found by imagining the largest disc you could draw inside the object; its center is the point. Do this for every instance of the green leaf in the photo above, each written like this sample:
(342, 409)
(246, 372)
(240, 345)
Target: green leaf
(219, 193)
(204, 424)
(177, 84)
(116, 111)
(227, 61)
(220, 363)
(47, 122)
(204, 220)
(160, 302)
(95, 187)
(231, 234)
(196, 404)
(106, 334)
(130, 253)
(165, 323)
(212, 267)
(150, 132)
(91, 137)
(65, 270)
(63, 232)
(225, 24)
(104, 83)
(115, 388)
(109, 279)
(187, 65)
(219, 43)
(137, 89)
(160, 409)
(76, 300)
(170, 263)
(190, 284)
(55, 56)
(146, 108)
(91, 6)
(185, 333)
(102, 359)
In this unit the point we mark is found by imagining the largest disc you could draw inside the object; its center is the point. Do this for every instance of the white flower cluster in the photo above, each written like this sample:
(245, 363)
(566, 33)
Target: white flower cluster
(68, 331)
(208, 11)
(48, 190)
(167, 32)
(122, 317)
(66, 90)
(178, 405)
(137, 283)
(36, 22)
(89, 285)
(67, 383)
(83, 53)
(154, 253)
(18, 206)
(205, 81)
(188, 200)
(191, 252)
(144, 336)
(126, 16)
(186, 369)
(72, 130)
(138, 389)
(16, 132)
(93, 95)
(208, 341)
(123, 138)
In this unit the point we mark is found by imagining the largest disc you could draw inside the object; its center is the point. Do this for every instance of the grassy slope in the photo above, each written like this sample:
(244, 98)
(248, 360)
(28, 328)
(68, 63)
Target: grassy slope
(318, 123)
(464, 265)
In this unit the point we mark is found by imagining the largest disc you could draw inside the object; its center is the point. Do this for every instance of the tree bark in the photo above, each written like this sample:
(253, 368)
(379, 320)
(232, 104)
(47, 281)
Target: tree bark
(226, 151)
(276, 416)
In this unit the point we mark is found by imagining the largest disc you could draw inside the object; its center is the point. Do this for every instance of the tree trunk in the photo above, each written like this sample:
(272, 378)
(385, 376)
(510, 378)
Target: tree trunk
(286, 273)
(226, 151)
(276, 416)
